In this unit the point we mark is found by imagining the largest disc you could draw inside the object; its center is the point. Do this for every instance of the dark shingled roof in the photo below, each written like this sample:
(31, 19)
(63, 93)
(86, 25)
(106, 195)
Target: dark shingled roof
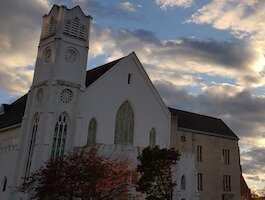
(13, 115)
(202, 123)
(93, 74)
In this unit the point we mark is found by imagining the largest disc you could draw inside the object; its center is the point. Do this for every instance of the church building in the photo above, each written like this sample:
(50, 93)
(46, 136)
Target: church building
(115, 105)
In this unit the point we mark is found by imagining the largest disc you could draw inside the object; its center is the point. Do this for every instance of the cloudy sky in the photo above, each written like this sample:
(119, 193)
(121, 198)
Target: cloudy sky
(205, 56)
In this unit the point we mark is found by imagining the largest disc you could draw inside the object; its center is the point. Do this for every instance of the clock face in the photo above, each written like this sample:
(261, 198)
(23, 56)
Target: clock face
(47, 55)
(70, 55)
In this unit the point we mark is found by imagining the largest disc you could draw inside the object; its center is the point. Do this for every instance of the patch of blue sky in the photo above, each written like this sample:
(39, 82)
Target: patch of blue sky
(96, 61)
(209, 79)
(166, 24)
(29, 67)
(194, 89)
(6, 97)
(259, 91)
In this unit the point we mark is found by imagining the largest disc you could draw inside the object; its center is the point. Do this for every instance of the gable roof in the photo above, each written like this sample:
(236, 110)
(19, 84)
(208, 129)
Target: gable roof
(93, 74)
(202, 124)
(14, 114)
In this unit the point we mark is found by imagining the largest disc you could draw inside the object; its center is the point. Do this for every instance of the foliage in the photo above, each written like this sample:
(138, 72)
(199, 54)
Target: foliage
(155, 166)
(82, 174)
(255, 196)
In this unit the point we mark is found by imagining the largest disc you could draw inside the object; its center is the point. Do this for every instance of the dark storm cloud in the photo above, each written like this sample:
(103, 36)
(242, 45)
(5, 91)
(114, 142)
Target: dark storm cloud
(238, 56)
(19, 34)
(254, 163)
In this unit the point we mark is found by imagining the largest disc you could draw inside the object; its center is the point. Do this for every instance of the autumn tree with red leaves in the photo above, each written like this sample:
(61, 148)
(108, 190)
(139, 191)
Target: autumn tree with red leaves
(82, 174)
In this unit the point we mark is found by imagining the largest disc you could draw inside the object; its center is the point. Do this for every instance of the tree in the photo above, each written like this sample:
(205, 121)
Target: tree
(155, 167)
(82, 174)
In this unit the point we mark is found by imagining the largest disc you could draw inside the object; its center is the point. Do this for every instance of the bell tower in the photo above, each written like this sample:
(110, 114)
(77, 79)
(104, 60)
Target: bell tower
(63, 46)
(52, 116)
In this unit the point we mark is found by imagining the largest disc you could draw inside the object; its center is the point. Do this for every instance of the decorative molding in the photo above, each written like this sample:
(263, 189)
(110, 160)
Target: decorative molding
(68, 83)
(39, 84)
(10, 127)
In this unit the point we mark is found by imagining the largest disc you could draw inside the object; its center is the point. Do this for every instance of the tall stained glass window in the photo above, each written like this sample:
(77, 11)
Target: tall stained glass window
(92, 132)
(59, 136)
(124, 125)
(152, 140)
(32, 143)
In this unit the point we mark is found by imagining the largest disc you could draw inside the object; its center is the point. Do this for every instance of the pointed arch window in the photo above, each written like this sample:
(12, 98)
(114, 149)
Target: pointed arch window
(183, 183)
(82, 32)
(75, 27)
(59, 136)
(67, 25)
(92, 132)
(124, 125)
(4, 184)
(32, 143)
(51, 27)
(152, 139)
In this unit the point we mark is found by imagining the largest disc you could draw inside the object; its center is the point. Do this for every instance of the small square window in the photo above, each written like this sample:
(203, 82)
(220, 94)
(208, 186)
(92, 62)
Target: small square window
(129, 78)
(199, 181)
(199, 153)
(226, 182)
(226, 157)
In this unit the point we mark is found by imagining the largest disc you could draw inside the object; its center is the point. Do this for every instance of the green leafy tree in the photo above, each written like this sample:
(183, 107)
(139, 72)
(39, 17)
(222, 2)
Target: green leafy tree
(155, 167)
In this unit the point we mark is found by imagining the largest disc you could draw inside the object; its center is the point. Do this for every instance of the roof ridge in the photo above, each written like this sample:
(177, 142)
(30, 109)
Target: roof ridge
(196, 113)
(93, 74)
(117, 60)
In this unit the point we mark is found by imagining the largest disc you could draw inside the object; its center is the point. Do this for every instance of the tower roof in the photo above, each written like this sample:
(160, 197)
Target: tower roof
(63, 6)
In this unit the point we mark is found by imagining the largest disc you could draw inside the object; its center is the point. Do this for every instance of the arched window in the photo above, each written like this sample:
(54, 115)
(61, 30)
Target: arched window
(92, 131)
(124, 125)
(4, 184)
(75, 27)
(59, 136)
(52, 26)
(67, 26)
(152, 139)
(82, 32)
(183, 182)
(32, 143)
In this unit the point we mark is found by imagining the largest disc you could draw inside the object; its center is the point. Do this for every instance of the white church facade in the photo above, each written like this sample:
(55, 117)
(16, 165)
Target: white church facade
(115, 105)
